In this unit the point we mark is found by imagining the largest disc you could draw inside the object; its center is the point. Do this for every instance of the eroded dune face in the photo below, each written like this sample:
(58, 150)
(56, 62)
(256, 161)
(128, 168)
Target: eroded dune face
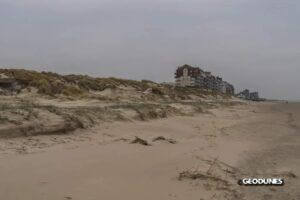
(48, 103)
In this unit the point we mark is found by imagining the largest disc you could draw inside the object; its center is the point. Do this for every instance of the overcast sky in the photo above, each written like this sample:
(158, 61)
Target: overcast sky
(253, 44)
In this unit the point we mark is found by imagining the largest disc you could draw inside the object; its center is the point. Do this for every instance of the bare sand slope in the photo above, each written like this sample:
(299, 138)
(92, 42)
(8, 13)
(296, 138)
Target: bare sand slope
(200, 157)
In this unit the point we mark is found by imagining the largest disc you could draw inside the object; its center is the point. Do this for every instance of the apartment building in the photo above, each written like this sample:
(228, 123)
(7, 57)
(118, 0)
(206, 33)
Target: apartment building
(247, 95)
(187, 75)
(254, 96)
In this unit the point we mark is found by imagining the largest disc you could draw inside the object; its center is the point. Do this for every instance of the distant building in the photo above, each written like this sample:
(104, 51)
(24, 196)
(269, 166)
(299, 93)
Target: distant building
(187, 75)
(254, 96)
(229, 88)
(247, 95)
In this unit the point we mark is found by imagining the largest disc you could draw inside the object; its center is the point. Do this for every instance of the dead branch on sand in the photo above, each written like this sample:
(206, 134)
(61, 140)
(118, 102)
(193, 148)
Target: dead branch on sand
(138, 140)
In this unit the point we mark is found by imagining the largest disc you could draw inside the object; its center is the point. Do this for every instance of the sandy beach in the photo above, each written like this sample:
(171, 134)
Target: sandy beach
(149, 100)
(222, 146)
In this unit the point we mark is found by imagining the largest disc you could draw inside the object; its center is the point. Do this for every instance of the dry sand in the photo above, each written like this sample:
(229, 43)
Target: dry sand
(258, 139)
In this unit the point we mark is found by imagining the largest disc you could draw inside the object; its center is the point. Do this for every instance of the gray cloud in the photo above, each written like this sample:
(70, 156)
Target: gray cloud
(252, 43)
